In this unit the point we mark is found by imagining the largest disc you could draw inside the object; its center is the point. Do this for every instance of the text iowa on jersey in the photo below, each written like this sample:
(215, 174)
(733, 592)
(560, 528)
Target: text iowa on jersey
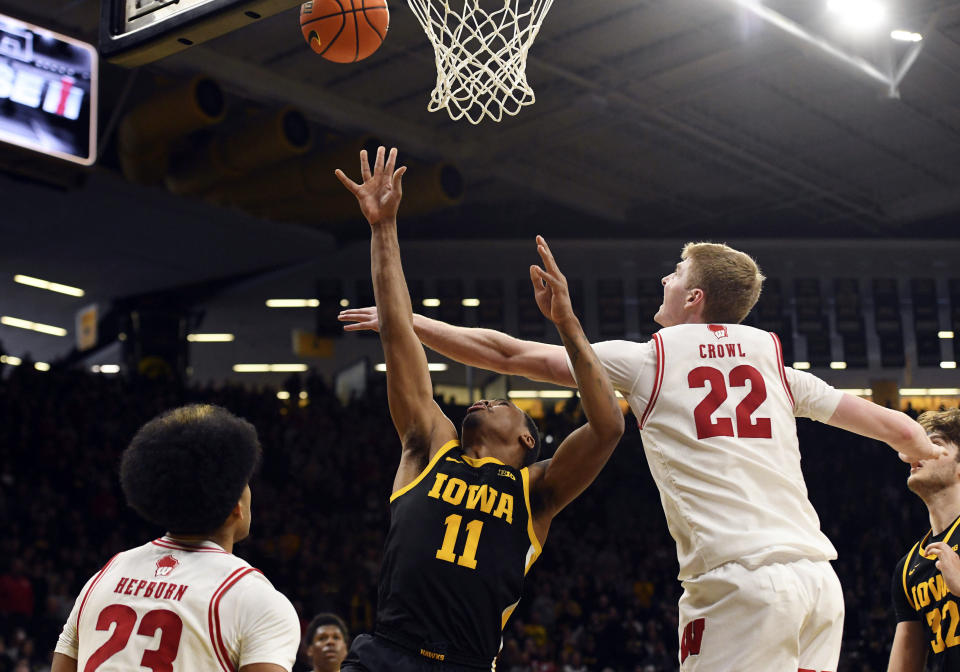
(472, 497)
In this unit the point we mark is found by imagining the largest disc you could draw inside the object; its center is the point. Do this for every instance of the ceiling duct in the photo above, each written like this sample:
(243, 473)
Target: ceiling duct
(261, 140)
(294, 179)
(148, 130)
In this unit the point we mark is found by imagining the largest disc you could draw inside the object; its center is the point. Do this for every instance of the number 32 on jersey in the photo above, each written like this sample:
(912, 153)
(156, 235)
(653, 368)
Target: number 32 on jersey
(747, 427)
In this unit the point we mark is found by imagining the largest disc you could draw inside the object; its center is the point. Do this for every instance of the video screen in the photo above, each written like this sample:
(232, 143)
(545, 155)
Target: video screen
(48, 92)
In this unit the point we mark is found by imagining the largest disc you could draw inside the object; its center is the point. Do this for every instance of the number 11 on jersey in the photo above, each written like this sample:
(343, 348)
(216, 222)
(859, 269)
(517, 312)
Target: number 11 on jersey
(468, 558)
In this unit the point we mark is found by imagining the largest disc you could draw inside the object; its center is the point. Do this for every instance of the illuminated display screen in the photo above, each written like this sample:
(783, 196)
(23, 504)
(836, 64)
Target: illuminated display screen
(48, 92)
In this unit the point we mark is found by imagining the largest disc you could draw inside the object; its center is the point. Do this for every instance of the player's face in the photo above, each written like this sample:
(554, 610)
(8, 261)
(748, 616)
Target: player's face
(675, 287)
(328, 648)
(495, 421)
(928, 476)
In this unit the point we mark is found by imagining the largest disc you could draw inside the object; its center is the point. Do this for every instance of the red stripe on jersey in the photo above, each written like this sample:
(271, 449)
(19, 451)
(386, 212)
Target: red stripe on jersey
(783, 373)
(213, 617)
(179, 547)
(93, 585)
(658, 380)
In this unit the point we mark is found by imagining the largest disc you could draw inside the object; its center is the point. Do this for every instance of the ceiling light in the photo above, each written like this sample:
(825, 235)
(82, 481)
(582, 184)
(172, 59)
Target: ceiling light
(523, 394)
(905, 36)
(35, 326)
(556, 394)
(283, 395)
(944, 334)
(470, 303)
(857, 391)
(927, 392)
(109, 368)
(943, 391)
(859, 14)
(10, 359)
(209, 338)
(41, 366)
(432, 366)
(801, 366)
(344, 303)
(46, 284)
(303, 394)
(293, 303)
(838, 365)
(948, 365)
(269, 368)
(431, 303)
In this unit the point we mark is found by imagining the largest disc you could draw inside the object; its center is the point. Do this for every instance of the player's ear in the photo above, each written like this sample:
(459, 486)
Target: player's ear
(695, 298)
(527, 441)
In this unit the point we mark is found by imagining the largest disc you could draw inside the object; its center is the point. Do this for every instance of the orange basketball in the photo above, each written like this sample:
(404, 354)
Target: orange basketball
(344, 31)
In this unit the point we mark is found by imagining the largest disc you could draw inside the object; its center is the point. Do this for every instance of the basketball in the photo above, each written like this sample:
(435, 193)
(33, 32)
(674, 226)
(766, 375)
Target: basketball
(344, 31)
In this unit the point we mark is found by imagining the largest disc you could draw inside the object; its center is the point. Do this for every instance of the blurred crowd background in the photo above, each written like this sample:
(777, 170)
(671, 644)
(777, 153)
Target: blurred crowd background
(603, 596)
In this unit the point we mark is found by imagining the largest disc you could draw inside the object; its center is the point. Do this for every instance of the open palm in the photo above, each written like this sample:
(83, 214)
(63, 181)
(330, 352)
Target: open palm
(379, 195)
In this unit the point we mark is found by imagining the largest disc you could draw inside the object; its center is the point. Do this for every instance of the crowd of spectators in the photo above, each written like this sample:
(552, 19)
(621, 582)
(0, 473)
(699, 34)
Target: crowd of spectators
(603, 595)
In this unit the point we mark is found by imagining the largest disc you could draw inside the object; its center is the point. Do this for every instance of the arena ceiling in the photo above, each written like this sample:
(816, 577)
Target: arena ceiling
(653, 117)
(672, 119)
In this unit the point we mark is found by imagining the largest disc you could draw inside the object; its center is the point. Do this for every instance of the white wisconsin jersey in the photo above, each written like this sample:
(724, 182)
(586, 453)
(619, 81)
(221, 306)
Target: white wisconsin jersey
(167, 606)
(720, 437)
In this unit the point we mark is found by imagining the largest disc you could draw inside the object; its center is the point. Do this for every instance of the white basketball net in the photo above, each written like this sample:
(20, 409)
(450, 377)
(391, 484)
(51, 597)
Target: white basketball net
(481, 55)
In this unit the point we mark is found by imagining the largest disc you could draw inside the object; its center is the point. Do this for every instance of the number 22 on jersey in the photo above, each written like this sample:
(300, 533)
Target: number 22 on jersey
(747, 427)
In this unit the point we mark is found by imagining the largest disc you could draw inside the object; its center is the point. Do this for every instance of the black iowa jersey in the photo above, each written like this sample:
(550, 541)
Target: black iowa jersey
(461, 540)
(920, 594)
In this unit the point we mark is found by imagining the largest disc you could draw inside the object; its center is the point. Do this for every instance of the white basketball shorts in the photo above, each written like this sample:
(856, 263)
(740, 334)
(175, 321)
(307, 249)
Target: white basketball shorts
(781, 617)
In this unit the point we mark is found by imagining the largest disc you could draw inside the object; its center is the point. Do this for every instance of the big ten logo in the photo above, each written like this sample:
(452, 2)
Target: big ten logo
(506, 473)
(691, 639)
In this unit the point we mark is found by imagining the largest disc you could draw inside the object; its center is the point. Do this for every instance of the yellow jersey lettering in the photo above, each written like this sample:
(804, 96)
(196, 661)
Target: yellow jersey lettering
(942, 585)
(483, 495)
(505, 508)
(934, 588)
(454, 492)
(437, 484)
(923, 594)
(431, 654)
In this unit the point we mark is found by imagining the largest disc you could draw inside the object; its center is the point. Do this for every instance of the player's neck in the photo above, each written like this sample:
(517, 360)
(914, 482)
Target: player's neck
(944, 507)
(481, 450)
(222, 538)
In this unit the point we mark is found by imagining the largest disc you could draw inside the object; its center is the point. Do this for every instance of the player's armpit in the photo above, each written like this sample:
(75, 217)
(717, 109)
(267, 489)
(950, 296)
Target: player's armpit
(909, 651)
(62, 663)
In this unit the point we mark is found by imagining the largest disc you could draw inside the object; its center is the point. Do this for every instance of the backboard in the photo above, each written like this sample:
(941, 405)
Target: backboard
(137, 32)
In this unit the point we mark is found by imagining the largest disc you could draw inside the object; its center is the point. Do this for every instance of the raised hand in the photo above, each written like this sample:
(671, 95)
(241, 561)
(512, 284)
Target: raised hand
(550, 286)
(379, 195)
(361, 319)
(948, 562)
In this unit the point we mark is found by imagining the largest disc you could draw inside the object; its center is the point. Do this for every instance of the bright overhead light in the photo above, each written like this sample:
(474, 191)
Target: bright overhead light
(928, 392)
(46, 284)
(857, 391)
(41, 366)
(470, 303)
(838, 365)
(344, 303)
(859, 14)
(523, 394)
(303, 394)
(541, 394)
(269, 368)
(801, 366)
(105, 368)
(10, 359)
(293, 303)
(431, 303)
(432, 366)
(905, 36)
(210, 338)
(944, 334)
(283, 395)
(948, 365)
(34, 326)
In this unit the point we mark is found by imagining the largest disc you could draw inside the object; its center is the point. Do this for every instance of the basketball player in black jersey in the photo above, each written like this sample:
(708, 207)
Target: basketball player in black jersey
(926, 581)
(467, 519)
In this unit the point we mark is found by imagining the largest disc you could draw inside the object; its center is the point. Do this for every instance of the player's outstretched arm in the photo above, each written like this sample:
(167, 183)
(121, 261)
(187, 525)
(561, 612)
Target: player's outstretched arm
(909, 650)
(421, 424)
(898, 430)
(580, 457)
(482, 348)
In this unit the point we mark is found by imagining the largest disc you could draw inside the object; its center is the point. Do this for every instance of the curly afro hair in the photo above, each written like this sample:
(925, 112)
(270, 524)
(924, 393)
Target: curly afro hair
(186, 469)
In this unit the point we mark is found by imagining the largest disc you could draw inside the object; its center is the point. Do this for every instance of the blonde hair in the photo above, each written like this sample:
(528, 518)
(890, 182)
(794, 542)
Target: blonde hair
(731, 280)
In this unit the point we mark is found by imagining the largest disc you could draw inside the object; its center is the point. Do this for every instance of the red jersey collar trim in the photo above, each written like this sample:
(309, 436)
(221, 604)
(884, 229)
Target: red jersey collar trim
(205, 546)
